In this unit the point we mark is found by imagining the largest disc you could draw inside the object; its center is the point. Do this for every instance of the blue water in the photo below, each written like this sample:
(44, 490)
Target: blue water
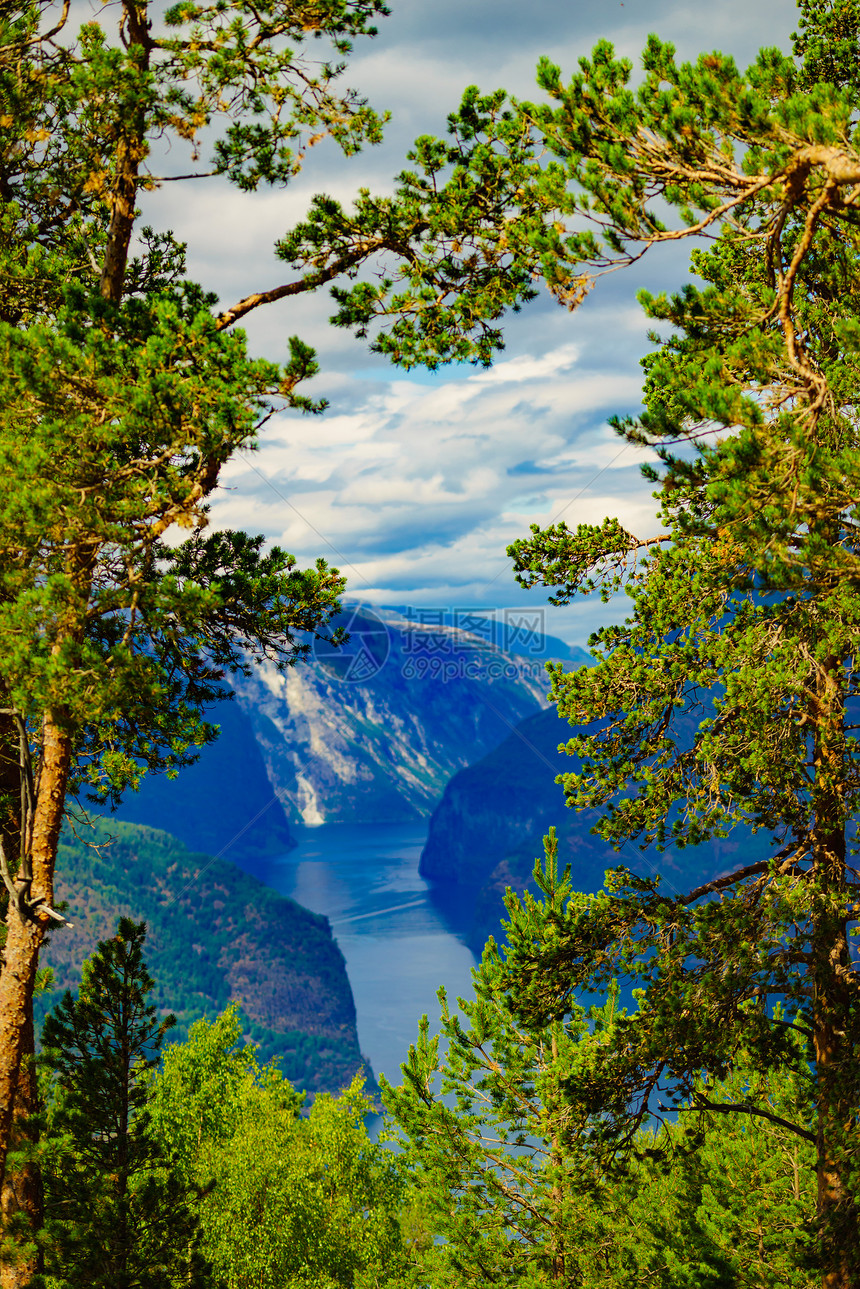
(401, 937)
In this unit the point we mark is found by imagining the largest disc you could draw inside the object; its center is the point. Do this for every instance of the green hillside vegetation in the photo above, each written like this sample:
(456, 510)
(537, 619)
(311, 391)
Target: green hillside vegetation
(216, 936)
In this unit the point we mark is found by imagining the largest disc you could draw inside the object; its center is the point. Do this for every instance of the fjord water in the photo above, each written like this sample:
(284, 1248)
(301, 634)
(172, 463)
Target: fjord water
(402, 937)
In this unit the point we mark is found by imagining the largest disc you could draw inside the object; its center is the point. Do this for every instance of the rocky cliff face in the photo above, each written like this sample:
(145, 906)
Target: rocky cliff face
(224, 803)
(373, 732)
(214, 936)
(488, 830)
(370, 733)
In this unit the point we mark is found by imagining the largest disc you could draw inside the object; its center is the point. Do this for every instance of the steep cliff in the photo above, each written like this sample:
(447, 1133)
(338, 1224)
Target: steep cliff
(370, 733)
(489, 826)
(491, 807)
(224, 803)
(215, 935)
(373, 732)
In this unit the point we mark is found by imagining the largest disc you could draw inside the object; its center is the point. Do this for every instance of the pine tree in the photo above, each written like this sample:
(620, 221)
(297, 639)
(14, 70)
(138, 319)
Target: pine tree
(728, 696)
(117, 1217)
(500, 1160)
(126, 388)
(521, 1179)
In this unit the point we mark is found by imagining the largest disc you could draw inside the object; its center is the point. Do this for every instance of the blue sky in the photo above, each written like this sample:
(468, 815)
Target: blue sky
(414, 484)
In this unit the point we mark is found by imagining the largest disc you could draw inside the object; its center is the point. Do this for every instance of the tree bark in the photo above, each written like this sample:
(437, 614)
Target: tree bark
(559, 1259)
(832, 1000)
(25, 935)
(21, 1197)
(130, 151)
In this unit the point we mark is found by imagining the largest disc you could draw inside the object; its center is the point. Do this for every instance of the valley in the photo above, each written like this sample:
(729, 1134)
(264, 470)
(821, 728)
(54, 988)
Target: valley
(367, 815)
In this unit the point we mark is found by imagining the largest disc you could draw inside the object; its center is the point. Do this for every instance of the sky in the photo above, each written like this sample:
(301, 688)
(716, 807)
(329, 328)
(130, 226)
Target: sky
(413, 484)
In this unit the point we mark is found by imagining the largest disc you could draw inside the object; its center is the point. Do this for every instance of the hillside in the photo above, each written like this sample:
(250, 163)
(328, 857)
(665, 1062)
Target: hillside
(215, 935)
(369, 733)
(489, 826)
(490, 807)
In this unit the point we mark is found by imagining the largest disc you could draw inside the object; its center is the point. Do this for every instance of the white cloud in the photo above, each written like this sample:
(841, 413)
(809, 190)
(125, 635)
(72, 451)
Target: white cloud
(415, 483)
(417, 489)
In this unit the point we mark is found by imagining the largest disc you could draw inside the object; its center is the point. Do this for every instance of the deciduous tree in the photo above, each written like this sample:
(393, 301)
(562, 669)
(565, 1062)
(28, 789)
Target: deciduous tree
(285, 1199)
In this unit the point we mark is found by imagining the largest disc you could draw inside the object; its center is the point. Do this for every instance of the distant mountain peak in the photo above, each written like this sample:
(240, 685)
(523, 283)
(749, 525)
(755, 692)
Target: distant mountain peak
(373, 731)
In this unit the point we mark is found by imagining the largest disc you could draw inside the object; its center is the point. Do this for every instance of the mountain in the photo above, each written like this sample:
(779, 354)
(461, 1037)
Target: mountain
(373, 731)
(489, 826)
(215, 936)
(369, 733)
(506, 797)
(223, 803)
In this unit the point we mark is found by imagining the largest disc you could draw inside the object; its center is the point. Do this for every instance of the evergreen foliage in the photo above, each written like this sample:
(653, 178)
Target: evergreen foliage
(117, 1216)
(192, 1164)
(517, 1172)
(500, 1158)
(728, 696)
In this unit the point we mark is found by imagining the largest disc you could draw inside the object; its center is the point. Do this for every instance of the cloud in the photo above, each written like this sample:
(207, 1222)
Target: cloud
(415, 483)
(416, 489)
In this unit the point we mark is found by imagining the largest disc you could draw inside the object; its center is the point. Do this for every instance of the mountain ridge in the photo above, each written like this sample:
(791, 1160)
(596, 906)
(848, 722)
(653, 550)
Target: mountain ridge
(488, 830)
(373, 732)
(223, 804)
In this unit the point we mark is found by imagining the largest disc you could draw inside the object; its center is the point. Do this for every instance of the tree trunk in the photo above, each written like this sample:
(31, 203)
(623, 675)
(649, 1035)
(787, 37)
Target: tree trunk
(21, 1198)
(131, 149)
(831, 971)
(559, 1260)
(25, 935)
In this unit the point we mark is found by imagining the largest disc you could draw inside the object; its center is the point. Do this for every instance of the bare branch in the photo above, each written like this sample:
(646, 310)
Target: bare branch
(14, 893)
(740, 875)
(309, 283)
(48, 35)
(741, 1108)
(720, 883)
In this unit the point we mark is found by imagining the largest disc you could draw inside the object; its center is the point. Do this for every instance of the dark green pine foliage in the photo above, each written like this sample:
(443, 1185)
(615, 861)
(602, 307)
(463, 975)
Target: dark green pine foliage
(116, 1216)
(827, 40)
(501, 1162)
(730, 694)
(518, 1175)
